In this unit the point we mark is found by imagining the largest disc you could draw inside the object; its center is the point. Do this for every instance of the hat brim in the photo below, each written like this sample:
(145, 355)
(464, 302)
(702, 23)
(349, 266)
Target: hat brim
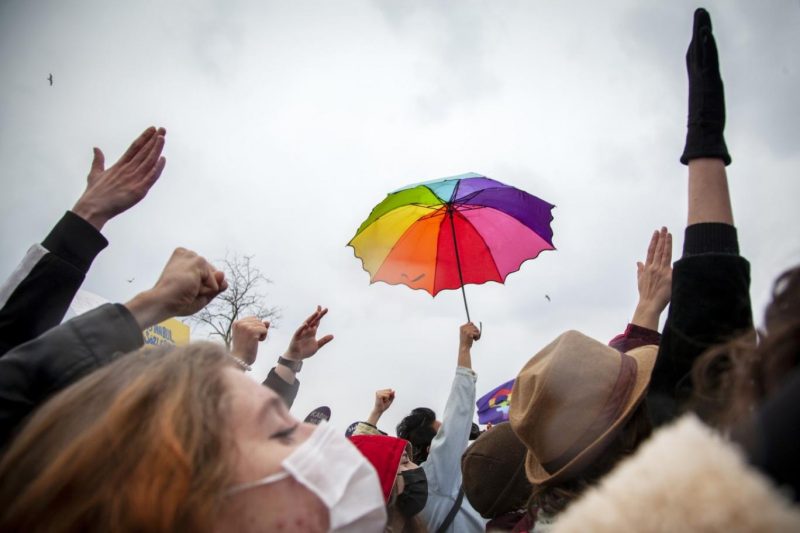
(645, 357)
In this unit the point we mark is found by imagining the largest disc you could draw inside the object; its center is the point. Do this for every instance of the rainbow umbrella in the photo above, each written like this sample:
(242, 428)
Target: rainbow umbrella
(442, 234)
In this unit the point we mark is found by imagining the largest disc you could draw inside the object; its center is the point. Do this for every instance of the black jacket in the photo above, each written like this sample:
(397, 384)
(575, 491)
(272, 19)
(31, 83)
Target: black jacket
(34, 371)
(37, 294)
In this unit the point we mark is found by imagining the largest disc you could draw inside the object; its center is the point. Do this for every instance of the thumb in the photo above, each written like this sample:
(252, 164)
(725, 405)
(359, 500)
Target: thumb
(99, 161)
(639, 267)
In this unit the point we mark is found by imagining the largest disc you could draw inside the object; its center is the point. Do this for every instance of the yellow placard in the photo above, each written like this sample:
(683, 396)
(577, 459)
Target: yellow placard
(170, 331)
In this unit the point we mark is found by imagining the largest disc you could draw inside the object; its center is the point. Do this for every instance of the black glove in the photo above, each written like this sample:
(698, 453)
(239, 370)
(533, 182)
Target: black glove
(706, 96)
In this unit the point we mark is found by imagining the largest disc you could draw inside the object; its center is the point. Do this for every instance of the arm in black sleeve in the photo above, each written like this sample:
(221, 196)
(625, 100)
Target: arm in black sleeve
(38, 293)
(34, 371)
(284, 390)
(710, 305)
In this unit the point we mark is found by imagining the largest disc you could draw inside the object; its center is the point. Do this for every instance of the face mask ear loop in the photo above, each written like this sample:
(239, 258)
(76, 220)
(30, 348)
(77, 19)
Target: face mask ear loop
(257, 483)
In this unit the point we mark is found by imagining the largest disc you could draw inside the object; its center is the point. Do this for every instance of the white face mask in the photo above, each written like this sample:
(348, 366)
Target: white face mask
(328, 465)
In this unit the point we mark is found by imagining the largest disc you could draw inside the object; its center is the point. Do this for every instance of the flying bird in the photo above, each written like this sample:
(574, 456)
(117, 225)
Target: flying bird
(130, 280)
(50, 79)
(548, 298)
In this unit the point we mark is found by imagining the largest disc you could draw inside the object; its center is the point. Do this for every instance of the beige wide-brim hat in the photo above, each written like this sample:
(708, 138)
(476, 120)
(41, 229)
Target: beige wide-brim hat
(570, 399)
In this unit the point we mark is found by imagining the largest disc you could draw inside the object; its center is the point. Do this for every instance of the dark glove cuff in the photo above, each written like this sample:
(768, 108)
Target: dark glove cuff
(705, 141)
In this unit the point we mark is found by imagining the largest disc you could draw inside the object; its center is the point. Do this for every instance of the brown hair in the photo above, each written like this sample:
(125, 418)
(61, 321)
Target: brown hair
(139, 445)
(554, 498)
(734, 377)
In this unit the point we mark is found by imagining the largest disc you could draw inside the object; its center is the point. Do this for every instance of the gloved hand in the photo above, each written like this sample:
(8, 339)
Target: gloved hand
(704, 137)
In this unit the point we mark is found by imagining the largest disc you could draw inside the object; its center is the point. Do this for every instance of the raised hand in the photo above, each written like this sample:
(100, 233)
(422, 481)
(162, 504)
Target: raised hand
(654, 280)
(468, 333)
(186, 285)
(706, 123)
(111, 191)
(304, 342)
(246, 334)
(383, 400)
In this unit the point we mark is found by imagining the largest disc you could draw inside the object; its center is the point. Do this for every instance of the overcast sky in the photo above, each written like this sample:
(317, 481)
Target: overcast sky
(288, 121)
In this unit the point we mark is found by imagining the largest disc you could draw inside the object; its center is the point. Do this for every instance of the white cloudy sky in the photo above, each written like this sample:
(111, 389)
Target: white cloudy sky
(288, 121)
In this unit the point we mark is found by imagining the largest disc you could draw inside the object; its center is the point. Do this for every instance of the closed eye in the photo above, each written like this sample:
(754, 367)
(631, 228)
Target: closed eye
(284, 433)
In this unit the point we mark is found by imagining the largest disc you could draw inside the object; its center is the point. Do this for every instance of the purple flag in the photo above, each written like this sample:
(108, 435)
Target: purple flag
(493, 406)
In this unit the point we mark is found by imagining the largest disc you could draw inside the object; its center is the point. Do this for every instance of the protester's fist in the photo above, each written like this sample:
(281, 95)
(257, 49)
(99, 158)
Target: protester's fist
(246, 334)
(187, 283)
(383, 400)
(111, 191)
(469, 334)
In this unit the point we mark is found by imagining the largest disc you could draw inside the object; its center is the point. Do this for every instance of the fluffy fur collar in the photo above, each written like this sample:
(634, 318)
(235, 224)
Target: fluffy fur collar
(685, 478)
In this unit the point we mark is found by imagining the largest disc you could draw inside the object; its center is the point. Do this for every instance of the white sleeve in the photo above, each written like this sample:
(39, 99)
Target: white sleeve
(443, 465)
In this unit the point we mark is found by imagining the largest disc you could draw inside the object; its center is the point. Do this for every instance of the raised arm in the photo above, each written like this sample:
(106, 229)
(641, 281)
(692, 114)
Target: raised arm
(32, 372)
(710, 300)
(654, 281)
(468, 334)
(304, 344)
(37, 294)
(383, 400)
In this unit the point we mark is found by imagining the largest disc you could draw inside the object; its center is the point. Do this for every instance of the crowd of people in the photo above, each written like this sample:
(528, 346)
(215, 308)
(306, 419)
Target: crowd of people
(693, 428)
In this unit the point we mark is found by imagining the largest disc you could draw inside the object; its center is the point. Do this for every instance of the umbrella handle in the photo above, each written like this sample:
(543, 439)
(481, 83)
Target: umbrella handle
(458, 262)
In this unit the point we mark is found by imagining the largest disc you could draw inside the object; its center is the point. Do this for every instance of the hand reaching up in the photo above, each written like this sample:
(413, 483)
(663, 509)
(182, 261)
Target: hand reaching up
(304, 342)
(111, 191)
(186, 285)
(654, 280)
(383, 400)
(246, 335)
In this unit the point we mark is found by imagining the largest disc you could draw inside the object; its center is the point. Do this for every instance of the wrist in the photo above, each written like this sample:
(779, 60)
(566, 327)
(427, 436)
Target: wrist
(646, 315)
(291, 355)
(147, 309)
(89, 214)
(292, 364)
(248, 356)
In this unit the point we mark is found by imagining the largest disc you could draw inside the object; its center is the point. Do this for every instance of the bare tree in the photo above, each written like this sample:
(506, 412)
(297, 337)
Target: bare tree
(243, 298)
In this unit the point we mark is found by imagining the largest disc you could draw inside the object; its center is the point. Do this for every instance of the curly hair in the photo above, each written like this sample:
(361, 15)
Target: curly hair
(417, 428)
(731, 379)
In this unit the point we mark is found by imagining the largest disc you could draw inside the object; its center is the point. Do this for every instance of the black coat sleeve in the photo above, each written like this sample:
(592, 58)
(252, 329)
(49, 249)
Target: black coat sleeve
(34, 371)
(37, 295)
(281, 388)
(710, 305)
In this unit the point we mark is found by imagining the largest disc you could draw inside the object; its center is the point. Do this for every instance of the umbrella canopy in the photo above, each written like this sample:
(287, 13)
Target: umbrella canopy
(445, 233)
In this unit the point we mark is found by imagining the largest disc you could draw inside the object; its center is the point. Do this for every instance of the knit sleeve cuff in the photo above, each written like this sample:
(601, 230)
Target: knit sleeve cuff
(710, 237)
(75, 240)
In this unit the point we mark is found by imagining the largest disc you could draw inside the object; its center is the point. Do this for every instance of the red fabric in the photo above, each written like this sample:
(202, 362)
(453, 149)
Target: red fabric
(477, 265)
(635, 337)
(384, 452)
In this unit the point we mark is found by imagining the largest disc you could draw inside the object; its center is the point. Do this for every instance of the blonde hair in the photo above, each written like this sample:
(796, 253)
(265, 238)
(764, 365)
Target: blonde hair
(139, 445)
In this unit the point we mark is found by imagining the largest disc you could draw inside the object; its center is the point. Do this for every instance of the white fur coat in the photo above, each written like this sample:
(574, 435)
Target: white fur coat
(685, 478)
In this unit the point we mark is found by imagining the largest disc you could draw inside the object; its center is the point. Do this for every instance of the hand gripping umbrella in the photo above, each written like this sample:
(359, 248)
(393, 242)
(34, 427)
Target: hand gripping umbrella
(445, 233)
